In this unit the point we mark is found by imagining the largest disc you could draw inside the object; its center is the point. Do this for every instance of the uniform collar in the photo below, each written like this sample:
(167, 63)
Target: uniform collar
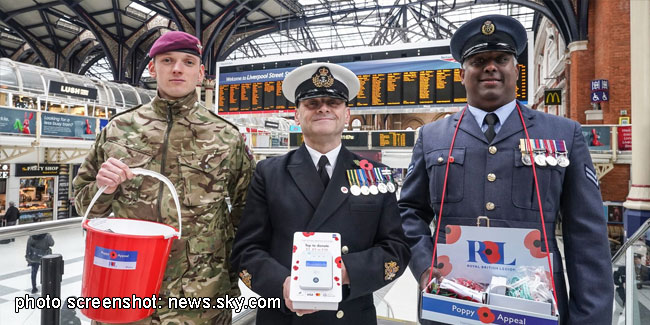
(331, 155)
(502, 112)
(180, 106)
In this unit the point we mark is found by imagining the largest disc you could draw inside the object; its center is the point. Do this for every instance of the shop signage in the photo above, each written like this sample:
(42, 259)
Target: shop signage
(64, 188)
(271, 124)
(64, 89)
(4, 171)
(37, 170)
(599, 91)
(68, 126)
(553, 97)
(624, 138)
(18, 121)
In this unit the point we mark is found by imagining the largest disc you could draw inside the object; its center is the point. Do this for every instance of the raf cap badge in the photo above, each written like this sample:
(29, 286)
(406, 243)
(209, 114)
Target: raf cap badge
(323, 78)
(487, 28)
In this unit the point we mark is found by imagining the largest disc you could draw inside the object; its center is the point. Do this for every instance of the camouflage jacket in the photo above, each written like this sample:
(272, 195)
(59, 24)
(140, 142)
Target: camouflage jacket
(205, 158)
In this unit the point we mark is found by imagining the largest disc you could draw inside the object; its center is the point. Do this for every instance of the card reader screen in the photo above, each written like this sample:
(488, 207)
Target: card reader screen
(316, 264)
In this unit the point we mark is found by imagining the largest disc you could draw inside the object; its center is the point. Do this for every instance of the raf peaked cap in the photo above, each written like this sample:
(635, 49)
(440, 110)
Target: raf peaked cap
(176, 41)
(488, 33)
(320, 80)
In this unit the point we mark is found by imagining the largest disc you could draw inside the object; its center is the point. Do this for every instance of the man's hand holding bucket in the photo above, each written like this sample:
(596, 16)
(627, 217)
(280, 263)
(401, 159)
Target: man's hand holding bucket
(112, 173)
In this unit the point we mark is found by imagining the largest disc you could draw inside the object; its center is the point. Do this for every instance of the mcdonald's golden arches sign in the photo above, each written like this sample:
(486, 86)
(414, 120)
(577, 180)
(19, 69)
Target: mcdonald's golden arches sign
(553, 97)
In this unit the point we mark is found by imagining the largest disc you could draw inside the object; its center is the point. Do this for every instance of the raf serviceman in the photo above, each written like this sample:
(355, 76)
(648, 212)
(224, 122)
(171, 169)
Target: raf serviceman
(491, 173)
(205, 158)
(308, 190)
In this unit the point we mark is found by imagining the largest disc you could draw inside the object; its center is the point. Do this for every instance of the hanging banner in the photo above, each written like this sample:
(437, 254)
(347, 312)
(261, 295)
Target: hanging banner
(63, 191)
(625, 138)
(13, 120)
(68, 126)
(597, 137)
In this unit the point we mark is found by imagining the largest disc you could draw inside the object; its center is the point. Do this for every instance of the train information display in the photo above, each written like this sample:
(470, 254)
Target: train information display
(383, 83)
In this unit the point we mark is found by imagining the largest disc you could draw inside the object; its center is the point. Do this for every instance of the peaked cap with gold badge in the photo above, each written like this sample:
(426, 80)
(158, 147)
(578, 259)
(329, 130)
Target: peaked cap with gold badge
(320, 80)
(488, 33)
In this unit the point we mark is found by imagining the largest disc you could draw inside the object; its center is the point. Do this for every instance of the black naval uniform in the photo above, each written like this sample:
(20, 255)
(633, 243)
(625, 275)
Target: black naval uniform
(287, 196)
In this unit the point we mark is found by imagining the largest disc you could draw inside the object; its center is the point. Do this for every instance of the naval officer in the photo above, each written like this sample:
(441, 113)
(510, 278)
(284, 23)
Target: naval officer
(490, 173)
(321, 187)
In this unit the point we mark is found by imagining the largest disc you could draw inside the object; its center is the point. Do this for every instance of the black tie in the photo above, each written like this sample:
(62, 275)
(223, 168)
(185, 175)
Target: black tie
(322, 172)
(490, 119)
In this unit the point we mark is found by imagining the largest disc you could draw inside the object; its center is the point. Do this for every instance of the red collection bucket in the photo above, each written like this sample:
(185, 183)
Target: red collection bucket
(124, 263)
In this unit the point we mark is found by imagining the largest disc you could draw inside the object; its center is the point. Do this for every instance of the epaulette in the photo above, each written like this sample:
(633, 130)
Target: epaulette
(125, 111)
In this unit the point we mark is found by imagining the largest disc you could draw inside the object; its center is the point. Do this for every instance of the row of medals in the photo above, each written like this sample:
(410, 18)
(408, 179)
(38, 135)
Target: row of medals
(383, 186)
(545, 152)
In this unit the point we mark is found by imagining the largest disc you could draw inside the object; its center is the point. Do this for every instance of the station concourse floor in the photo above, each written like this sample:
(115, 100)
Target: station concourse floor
(15, 281)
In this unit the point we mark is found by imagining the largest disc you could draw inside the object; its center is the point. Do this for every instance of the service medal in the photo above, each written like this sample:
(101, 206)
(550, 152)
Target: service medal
(540, 160)
(563, 161)
(525, 158)
(365, 190)
(550, 153)
(391, 187)
(373, 190)
(382, 187)
(355, 190)
(551, 161)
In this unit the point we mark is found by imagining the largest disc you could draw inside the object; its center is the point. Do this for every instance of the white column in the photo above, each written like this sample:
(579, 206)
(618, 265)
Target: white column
(639, 195)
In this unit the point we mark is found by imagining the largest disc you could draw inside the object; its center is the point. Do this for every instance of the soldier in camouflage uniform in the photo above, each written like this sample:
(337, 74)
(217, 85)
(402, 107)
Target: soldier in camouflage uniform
(205, 158)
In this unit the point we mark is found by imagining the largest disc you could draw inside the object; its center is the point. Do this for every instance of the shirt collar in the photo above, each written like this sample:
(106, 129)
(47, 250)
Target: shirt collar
(331, 155)
(502, 112)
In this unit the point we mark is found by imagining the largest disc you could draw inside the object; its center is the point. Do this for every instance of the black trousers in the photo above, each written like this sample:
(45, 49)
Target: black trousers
(34, 271)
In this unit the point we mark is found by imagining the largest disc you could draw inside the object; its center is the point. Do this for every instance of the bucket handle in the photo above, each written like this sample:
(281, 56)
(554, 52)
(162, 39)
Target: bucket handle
(142, 171)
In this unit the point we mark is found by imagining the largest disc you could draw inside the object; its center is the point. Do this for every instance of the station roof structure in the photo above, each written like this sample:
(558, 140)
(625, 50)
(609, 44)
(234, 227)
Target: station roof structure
(109, 39)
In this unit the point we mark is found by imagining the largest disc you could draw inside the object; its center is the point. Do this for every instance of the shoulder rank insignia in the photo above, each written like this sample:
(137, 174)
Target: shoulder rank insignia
(390, 270)
(246, 278)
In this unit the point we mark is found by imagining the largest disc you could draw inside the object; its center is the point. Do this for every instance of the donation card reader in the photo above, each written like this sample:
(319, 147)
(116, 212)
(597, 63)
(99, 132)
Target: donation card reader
(316, 271)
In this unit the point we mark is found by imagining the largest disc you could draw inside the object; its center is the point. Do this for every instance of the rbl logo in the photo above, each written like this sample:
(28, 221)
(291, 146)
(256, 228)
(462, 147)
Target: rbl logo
(490, 252)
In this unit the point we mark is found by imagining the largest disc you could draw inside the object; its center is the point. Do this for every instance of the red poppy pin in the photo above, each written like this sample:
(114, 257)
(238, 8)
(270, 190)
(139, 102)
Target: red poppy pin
(365, 164)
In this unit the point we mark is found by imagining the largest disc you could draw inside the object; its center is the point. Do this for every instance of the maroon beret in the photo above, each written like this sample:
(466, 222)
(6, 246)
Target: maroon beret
(176, 41)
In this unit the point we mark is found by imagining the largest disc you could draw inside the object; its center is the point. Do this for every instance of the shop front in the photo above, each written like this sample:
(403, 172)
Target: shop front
(38, 190)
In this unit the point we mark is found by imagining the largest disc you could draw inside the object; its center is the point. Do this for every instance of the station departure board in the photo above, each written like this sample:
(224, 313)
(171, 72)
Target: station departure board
(410, 88)
(256, 96)
(460, 95)
(223, 98)
(444, 86)
(378, 92)
(363, 98)
(425, 87)
(394, 88)
(269, 95)
(427, 90)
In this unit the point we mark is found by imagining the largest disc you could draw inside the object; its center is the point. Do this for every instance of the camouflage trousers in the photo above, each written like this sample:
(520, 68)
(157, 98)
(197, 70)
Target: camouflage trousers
(164, 316)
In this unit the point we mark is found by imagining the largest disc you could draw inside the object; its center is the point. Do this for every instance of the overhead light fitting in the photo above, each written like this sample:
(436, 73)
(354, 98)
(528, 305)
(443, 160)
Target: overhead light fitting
(11, 38)
(67, 26)
(138, 12)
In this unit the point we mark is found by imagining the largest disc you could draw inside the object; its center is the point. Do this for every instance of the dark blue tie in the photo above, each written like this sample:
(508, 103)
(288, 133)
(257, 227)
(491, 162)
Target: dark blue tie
(490, 119)
(322, 172)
